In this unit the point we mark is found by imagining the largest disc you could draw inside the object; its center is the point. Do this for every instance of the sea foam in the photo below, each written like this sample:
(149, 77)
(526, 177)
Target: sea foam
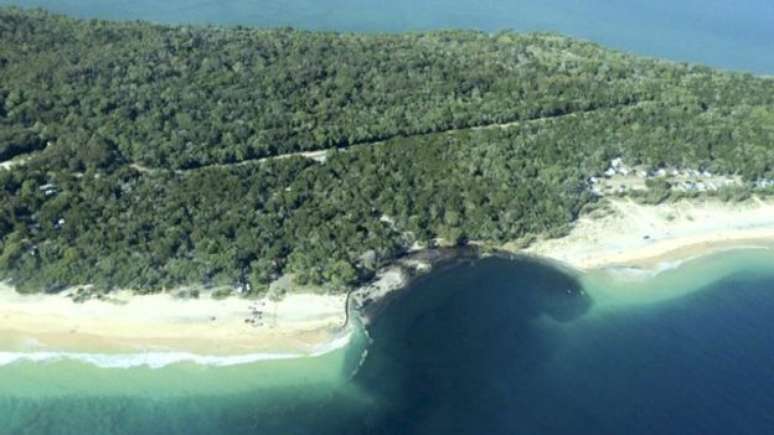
(156, 360)
(637, 273)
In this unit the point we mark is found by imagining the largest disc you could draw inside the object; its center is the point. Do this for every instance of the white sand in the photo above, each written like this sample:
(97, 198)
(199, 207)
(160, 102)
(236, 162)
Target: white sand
(303, 323)
(300, 323)
(18, 160)
(640, 235)
(7, 164)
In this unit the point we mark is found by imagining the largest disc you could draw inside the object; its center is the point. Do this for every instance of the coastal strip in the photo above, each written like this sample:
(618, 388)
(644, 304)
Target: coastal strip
(626, 233)
(155, 330)
(124, 329)
(298, 324)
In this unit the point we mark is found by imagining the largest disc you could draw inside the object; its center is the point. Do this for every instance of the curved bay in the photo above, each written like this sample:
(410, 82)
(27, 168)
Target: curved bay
(495, 345)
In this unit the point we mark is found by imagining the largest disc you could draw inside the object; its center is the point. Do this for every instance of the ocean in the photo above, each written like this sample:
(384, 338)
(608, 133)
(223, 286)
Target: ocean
(496, 345)
(492, 346)
(734, 35)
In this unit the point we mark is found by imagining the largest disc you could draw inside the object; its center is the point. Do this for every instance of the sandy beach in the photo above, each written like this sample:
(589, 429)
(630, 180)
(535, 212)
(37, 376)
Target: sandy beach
(636, 235)
(299, 324)
(626, 234)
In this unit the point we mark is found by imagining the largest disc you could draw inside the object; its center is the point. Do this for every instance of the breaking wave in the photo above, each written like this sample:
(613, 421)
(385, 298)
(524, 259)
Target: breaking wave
(636, 273)
(157, 360)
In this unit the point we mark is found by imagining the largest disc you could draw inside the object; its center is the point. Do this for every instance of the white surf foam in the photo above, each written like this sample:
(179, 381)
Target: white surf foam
(157, 360)
(636, 273)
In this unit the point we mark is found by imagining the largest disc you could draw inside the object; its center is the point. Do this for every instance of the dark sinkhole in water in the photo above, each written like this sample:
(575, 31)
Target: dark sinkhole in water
(503, 346)
(456, 348)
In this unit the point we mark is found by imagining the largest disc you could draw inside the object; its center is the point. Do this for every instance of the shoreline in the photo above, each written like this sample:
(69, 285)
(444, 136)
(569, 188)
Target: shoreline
(645, 236)
(128, 330)
(156, 330)
(298, 325)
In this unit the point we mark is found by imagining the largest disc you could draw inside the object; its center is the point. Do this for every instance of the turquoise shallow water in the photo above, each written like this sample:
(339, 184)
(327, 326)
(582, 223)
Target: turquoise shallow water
(496, 346)
(488, 347)
(72, 397)
(736, 35)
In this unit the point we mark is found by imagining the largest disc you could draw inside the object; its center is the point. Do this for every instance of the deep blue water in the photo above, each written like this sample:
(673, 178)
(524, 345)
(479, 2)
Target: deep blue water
(501, 348)
(494, 346)
(730, 34)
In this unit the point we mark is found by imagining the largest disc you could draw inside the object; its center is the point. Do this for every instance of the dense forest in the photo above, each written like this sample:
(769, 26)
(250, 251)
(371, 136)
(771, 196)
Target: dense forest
(147, 149)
